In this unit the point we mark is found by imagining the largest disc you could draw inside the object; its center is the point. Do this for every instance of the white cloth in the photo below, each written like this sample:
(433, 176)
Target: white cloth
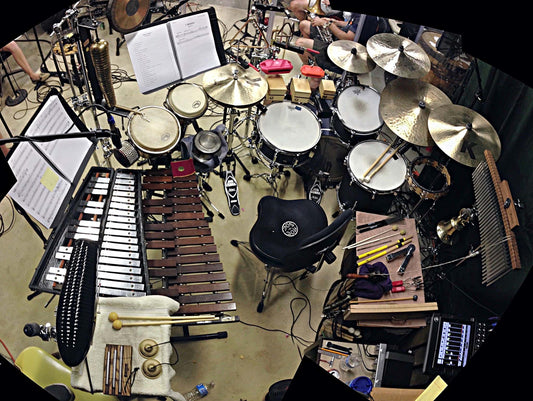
(150, 305)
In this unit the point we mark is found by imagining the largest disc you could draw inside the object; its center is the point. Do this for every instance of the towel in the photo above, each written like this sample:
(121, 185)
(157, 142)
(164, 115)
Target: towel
(150, 305)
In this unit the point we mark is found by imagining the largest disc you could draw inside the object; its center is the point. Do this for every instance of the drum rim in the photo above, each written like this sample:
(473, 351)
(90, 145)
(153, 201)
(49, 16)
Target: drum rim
(414, 185)
(343, 122)
(200, 112)
(287, 152)
(152, 152)
(365, 187)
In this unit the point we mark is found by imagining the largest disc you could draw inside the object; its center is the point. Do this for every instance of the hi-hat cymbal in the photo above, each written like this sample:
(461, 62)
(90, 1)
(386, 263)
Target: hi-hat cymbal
(232, 85)
(405, 106)
(463, 134)
(398, 55)
(350, 56)
(127, 15)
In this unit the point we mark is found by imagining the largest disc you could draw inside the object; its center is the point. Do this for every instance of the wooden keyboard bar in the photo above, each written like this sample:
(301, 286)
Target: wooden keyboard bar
(188, 269)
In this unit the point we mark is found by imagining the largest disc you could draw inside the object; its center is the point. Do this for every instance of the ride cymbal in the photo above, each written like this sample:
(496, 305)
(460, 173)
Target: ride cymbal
(232, 85)
(405, 106)
(398, 55)
(463, 134)
(350, 56)
(127, 15)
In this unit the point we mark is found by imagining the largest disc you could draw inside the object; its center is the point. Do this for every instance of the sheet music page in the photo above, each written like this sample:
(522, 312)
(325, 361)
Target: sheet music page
(66, 154)
(194, 43)
(39, 190)
(152, 58)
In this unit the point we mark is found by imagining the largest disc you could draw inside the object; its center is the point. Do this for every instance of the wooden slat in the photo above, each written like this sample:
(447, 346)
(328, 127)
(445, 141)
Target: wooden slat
(198, 278)
(203, 298)
(206, 308)
(172, 272)
(176, 290)
(174, 261)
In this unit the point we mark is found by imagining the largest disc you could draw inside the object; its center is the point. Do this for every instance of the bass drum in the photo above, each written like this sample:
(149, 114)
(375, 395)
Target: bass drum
(377, 194)
(327, 163)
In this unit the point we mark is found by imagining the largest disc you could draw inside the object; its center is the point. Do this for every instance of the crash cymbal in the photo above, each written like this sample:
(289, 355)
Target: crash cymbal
(405, 106)
(350, 56)
(127, 15)
(463, 134)
(398, 55)
(232, 85)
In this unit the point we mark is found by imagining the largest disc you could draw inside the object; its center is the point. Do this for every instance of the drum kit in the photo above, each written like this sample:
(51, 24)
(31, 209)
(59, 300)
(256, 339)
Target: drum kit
(287, 134)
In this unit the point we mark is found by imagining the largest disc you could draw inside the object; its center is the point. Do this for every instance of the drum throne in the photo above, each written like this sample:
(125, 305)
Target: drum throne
(293, 235)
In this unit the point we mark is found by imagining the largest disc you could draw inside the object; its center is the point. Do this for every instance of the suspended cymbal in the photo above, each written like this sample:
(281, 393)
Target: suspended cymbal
(127, 15)
(463, 134)
(405, 106)
(398, 55)
(350, 56)
(232, 85)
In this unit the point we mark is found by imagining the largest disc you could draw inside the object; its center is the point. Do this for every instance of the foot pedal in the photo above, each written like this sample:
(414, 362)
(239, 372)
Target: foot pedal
(316, 192)
(232, 193)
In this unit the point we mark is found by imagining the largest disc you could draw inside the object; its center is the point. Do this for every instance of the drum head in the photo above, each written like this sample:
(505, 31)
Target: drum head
(358, 108)
(154, 130)
(289, 127)
(389, 178)
(188, 100)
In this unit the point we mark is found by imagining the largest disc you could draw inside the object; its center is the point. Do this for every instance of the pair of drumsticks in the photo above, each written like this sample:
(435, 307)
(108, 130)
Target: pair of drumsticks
(367, 179)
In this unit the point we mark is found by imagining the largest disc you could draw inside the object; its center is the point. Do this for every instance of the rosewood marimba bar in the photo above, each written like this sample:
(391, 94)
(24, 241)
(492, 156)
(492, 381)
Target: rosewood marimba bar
(183, 262)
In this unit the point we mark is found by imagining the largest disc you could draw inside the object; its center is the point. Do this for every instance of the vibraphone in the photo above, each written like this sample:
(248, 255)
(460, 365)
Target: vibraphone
(106, 210)
(183, 262)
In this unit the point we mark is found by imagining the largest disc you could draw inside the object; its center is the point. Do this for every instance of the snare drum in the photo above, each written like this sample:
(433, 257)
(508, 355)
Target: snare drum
(376, 195)
(287, 134)
(357, 115)
(428, 178)
(154, 130)
(188, 101)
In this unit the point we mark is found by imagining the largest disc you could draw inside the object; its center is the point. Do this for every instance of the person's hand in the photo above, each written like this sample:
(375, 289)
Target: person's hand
(318, 21)
(325, 2)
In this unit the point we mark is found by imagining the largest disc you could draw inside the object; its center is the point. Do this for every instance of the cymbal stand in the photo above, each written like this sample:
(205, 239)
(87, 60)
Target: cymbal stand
(231, 156)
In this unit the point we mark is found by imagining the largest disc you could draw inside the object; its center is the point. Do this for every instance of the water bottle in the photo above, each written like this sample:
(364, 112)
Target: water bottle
(198, 391)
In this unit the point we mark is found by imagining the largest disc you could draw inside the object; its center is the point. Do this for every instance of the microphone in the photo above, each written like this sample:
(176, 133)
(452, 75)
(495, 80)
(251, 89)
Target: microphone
(294, 48)
(115, 132)
(323, 109)
(244, 64)
(46, 332)
(126, 154)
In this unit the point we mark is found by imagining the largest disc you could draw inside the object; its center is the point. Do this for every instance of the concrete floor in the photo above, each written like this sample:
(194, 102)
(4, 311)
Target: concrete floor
(250, 359)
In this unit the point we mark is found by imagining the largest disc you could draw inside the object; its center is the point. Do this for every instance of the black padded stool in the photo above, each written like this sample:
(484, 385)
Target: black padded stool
(292, 235)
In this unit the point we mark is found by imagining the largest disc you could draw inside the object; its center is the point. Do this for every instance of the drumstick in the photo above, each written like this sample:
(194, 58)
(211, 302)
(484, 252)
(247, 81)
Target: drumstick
(382, 164)
(376, 161)
(378, 255)
(366, 242)
(413, 298)
(383, 247)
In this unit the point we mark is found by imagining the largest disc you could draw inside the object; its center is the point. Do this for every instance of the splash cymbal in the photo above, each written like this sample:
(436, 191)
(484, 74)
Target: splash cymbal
(127, 15)
(398, 55)
(463, 134)
(232, 85)
(350, 56)
(405, 106)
